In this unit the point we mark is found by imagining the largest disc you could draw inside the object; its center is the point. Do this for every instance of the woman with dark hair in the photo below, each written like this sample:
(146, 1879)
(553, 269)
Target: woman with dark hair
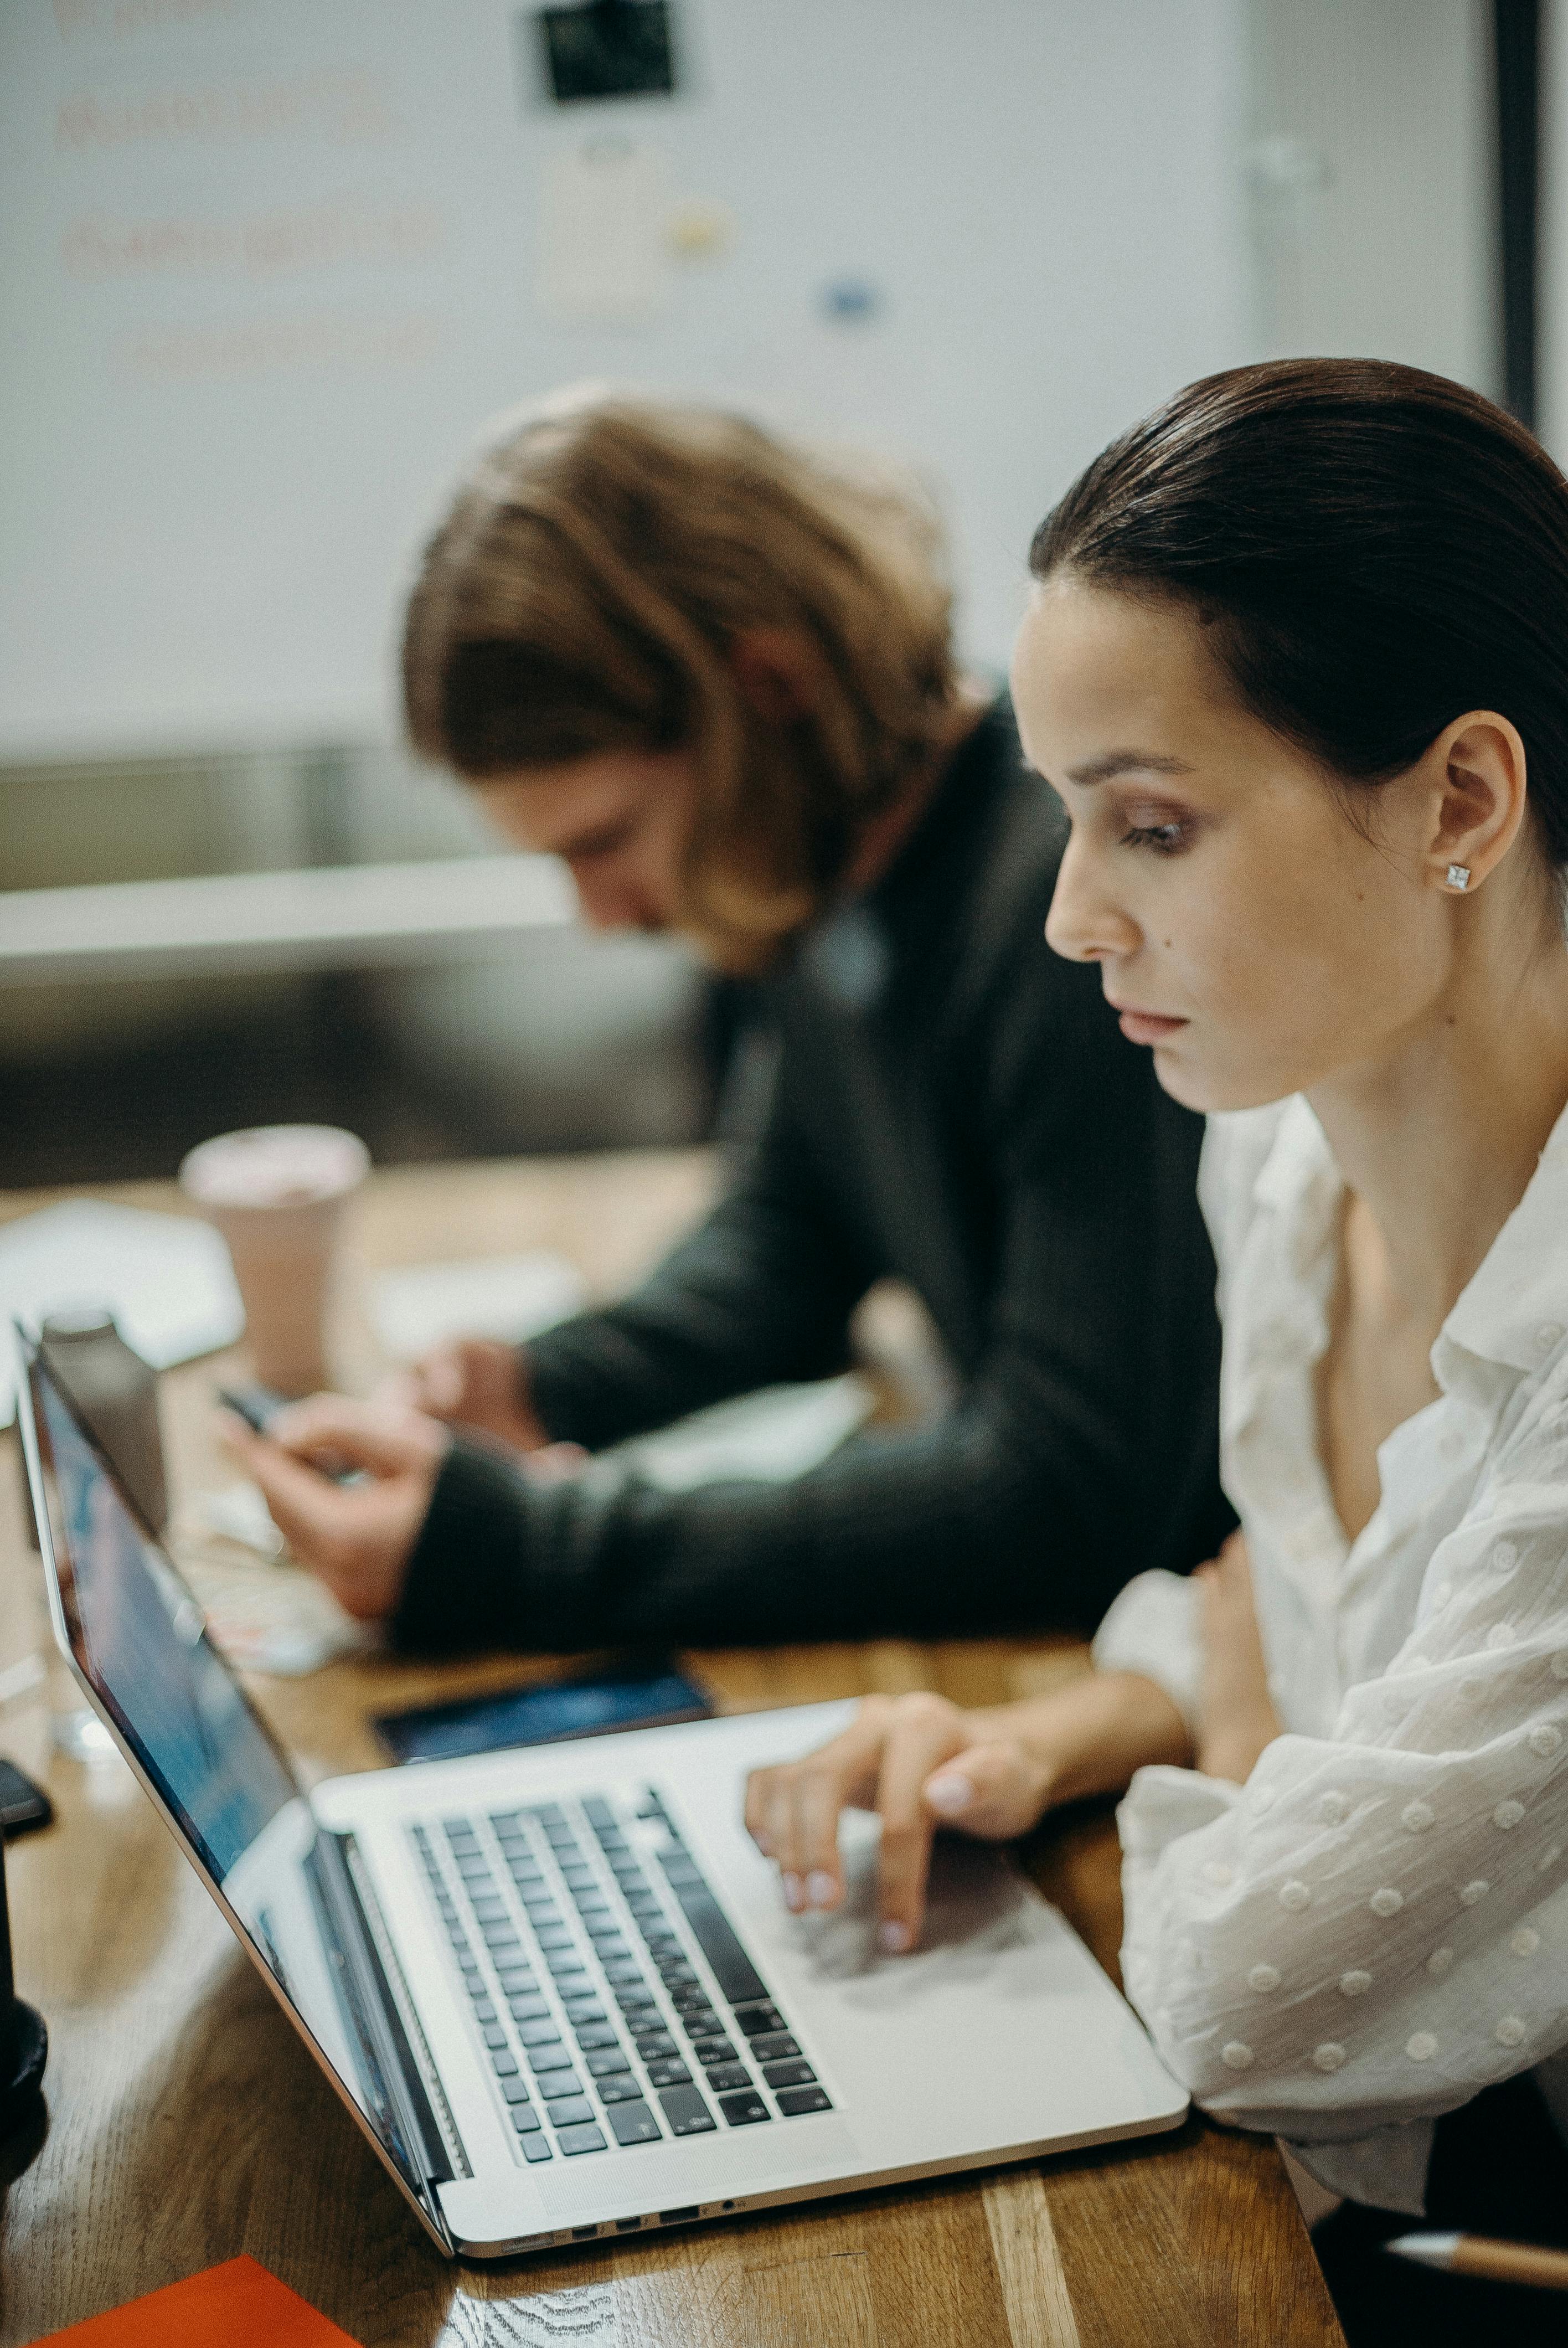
(1297, 664)
(714, 673)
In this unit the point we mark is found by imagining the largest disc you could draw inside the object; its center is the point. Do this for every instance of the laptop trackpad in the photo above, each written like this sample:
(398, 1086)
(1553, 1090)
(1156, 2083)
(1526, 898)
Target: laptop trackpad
(982, 1921)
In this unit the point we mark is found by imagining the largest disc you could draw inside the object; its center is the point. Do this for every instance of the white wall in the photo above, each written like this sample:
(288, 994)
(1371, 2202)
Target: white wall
(268, 263)
(1371, 179)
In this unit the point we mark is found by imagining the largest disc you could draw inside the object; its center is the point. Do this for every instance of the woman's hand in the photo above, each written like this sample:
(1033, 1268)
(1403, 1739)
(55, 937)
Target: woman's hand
(357, 1537)
(923, 1764)
(1236, 1717)
(475, 1381)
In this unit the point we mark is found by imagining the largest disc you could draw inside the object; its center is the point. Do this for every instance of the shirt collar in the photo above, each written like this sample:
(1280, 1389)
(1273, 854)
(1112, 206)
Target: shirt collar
(1515, 1309)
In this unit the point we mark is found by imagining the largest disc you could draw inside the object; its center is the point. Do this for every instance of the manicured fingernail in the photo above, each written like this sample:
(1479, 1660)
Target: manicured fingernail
(893, 1937)
(794, 1891)
(950, 1794)
(821, 1888)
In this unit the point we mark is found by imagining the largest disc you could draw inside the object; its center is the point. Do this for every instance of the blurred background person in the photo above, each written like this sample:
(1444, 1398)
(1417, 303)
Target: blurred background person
(714, 675)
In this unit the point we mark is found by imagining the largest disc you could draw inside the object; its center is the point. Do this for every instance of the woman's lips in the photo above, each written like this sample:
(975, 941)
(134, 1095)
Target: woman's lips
(1147, 1026)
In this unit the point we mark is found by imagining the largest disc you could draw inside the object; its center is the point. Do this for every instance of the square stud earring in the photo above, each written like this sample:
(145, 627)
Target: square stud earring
(1459, 876)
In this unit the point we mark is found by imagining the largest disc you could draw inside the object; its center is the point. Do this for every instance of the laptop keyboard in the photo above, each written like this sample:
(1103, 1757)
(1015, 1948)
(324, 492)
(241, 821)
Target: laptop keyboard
(615, 2001)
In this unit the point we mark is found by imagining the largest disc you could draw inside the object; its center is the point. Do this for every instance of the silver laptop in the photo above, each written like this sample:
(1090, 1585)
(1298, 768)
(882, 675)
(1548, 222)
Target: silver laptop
(557, 1988)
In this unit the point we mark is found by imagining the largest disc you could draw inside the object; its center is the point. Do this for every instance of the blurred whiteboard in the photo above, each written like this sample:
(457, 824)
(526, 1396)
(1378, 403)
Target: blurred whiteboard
(269, 263)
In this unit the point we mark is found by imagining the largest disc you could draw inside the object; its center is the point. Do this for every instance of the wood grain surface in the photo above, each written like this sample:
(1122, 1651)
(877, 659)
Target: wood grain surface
(186, 2124)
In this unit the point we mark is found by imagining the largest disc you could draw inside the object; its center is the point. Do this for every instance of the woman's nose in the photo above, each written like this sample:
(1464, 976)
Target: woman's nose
(1084, 924)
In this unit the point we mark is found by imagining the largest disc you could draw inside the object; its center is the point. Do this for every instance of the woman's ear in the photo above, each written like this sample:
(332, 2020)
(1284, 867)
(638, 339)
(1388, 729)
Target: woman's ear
(1480, 774)
(777, 672)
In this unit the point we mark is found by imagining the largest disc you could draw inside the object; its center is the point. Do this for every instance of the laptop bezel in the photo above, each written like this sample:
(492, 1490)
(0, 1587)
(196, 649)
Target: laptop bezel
(425, 2205)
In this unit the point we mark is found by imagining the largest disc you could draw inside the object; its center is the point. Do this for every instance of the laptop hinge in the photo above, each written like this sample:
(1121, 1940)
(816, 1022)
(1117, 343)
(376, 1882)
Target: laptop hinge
(403, 2095)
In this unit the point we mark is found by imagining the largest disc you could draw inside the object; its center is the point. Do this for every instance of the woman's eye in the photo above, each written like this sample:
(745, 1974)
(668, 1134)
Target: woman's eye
(1164, 839)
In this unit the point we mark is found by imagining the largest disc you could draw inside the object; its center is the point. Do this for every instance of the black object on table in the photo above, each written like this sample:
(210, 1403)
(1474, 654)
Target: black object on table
(23, 2040)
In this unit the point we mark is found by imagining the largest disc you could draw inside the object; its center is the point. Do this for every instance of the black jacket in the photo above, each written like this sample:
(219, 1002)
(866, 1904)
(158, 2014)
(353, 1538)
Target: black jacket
(953, 1103)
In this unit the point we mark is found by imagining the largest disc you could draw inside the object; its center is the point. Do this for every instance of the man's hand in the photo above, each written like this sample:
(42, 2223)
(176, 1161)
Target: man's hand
(1236, 1717)
(359, 1537)
(475, 1381)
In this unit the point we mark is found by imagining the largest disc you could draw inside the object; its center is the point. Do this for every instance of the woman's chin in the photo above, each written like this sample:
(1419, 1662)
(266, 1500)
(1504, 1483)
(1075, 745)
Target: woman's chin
(1215, 1091)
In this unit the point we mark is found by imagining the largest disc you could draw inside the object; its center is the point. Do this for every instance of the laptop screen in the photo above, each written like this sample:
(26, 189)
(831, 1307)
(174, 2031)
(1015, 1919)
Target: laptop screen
(139, 1640)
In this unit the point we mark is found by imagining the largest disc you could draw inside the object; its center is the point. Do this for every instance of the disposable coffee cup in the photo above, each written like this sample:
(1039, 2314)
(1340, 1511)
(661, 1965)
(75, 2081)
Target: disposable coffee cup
(278, 1195)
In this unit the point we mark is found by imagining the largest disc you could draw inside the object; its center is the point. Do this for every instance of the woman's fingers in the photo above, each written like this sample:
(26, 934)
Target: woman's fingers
(996, 1791)
(927, 1732)
(793, 1810)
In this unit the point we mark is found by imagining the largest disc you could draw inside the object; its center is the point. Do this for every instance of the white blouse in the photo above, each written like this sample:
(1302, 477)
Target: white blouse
(1376, 1926)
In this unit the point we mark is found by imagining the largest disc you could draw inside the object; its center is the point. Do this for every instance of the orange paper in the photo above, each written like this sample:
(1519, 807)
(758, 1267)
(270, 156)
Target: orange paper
(236, 2305)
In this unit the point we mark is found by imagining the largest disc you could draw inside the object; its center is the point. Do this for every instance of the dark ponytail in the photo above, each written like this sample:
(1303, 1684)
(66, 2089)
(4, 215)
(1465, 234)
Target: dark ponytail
(1375, 549)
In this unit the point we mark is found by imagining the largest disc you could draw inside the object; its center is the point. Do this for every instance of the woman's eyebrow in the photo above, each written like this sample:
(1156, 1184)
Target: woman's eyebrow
(1122, 762)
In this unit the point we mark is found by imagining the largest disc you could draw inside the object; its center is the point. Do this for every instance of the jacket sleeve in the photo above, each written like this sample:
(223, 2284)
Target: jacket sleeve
(1082, 1444)
(761, 1294)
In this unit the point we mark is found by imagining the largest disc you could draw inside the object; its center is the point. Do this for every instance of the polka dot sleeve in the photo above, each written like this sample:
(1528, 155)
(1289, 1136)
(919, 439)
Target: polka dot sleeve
(1376, 1926)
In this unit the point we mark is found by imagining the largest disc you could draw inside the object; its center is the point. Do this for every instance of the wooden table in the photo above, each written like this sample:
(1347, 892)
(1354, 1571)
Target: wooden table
(188, 2125)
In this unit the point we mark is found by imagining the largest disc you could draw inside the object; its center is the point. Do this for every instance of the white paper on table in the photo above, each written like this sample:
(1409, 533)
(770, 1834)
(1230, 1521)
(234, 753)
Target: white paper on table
(767, 1437)
(508, 1296)
(274, 1618)
(165, 1278)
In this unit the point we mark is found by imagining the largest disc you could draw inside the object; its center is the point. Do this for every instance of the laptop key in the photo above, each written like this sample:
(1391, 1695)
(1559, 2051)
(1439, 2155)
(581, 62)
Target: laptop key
(794, 2101)
(689, 1997)
(535, 2147)
(789, 2075)
(504, 2064)
(619, 2089)
(774, 2047)
(756, 2019)
(608, 2060)
(570, 2111)
(564, 1964)
(625, 1973)
(592, 2035)
(724, 2076)
(633, 2124)
(702, 2022)
(553, 1938)
(686, 2112)
(543, 2031)
(637, 1999)
(532, 2008)
(516, 2091)
(525, 2119)
(669, 2071)
(491, 1911)
(553, 2057)
(745, 2110)
(582, 2005)
(495, 2035)
(714, 2050)
(645, 2024)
